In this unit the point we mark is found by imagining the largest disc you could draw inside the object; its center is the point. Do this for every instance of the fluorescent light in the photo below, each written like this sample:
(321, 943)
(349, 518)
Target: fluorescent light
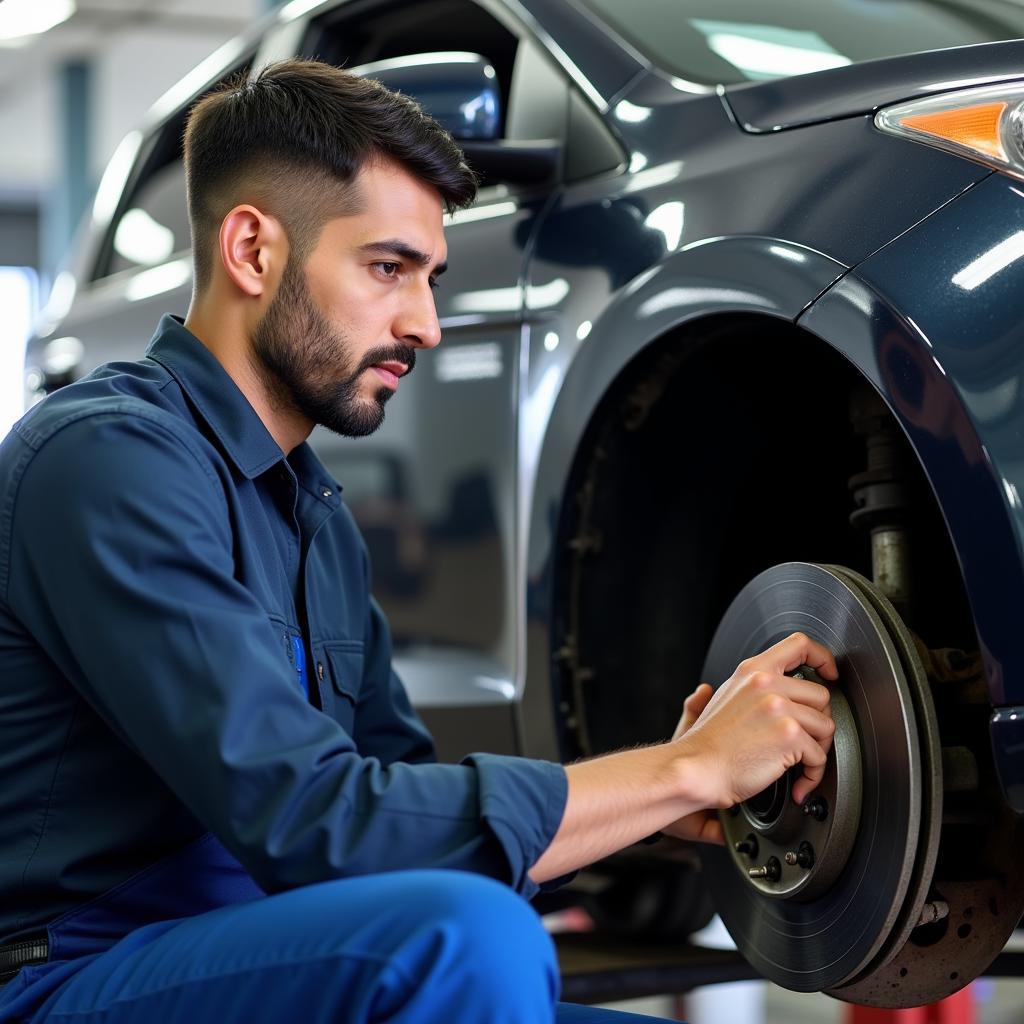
(788, 254)
(417, 60)
(17, 295)
(207, 69)
(62, 294)
(551, 341)
(584, 329)
(30, 17)
(769, 51)
(470, 362)
(694, 88)
(143, 240)
(988, 264)
(480, 213)
(631, 113)
(758, 57)
(114, 178)
(297, 8)
(489, 300)
(158, 280)
(668, 219)
(62, 355)
(539, 296)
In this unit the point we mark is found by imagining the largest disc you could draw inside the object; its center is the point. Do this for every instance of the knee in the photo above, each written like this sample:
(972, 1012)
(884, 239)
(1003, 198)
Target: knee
(489, 930)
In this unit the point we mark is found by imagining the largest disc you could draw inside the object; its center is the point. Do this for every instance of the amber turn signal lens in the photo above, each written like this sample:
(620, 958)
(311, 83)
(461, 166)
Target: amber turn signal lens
(983, 123)
(975, 127)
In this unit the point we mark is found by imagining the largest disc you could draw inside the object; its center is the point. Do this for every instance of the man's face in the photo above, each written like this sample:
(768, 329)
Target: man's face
(342, 330)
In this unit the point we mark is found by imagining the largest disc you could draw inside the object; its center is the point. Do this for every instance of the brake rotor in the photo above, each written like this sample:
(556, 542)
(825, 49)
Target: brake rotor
(864, 988)
(966, 894)
(833, 929)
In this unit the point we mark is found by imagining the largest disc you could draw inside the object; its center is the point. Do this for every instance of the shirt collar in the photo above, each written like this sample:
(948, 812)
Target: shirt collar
(216, 396)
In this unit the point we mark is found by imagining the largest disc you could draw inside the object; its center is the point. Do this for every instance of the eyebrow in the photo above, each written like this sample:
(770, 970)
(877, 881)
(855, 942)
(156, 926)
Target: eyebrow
(396, 247)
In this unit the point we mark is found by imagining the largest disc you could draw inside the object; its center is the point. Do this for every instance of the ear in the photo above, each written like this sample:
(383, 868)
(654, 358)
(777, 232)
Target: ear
(253, 250)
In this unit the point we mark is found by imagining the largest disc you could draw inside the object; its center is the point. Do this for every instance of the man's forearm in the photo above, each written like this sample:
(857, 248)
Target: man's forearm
(615, 801)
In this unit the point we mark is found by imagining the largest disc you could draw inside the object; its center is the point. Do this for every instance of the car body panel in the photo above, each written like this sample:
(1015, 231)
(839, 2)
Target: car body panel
(935, 322)
(862, 88)
(940, 332)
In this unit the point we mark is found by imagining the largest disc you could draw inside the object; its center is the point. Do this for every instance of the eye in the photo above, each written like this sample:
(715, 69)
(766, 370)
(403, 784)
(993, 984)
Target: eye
(388, 270)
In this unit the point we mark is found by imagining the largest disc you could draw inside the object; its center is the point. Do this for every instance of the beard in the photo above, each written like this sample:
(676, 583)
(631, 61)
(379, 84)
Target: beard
(310, 367)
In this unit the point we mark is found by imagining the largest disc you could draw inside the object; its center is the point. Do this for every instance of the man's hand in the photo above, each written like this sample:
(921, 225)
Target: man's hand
(757, 725)
(729, 745)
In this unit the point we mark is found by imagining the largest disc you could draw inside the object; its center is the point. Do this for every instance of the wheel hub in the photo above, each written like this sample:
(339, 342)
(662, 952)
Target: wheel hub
(890, 891)
(787, 851)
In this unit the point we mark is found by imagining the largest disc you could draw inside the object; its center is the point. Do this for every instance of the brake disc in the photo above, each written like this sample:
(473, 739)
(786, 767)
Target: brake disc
(802, 929)
(966, 878)
(865, 988)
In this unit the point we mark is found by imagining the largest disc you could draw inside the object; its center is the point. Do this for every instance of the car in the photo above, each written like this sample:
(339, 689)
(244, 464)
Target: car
(732, 348)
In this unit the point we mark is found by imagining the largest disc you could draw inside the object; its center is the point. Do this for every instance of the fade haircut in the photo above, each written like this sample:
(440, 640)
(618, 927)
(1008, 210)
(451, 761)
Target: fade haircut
(291, 140)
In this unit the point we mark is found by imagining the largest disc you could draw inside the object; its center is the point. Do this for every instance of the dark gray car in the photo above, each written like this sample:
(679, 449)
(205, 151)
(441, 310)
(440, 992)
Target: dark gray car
(731, 347)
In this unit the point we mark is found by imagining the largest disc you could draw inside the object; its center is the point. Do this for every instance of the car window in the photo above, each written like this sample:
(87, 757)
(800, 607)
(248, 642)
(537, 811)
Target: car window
(729, 41)
(154, 224)
(404, 29)
(151, 222)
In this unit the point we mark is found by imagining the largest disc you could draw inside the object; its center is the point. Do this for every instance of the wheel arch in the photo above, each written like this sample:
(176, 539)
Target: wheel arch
(734, 284)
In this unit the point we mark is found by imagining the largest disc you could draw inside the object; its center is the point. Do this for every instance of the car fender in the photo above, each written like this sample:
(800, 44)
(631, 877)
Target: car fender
(935, 320)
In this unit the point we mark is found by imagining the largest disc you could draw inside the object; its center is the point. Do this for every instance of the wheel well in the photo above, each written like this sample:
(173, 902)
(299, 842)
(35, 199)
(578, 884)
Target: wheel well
(720, 450)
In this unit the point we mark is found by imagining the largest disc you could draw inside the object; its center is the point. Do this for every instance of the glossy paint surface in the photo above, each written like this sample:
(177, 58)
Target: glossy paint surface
(667, 212)
(935, 320)
(862, 88)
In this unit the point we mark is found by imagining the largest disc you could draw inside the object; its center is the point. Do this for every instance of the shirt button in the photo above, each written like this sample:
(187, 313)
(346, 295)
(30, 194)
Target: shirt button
(327, 492)
(320, 670)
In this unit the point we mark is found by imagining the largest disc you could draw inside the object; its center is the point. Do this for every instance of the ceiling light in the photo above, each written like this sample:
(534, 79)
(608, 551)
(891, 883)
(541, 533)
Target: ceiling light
(19, 18)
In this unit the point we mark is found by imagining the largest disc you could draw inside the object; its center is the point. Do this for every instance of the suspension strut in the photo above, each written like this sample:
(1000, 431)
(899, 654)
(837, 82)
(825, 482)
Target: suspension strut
(882, 498)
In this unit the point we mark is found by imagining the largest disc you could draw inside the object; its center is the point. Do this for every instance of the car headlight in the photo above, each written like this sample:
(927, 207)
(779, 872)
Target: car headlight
(984, 124)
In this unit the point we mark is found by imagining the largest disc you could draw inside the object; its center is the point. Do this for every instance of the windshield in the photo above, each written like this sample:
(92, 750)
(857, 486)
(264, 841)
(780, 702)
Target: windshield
(729, 41)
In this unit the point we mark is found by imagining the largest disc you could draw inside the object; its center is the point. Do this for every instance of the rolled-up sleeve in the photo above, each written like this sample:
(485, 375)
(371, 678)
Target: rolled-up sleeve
(121, 567)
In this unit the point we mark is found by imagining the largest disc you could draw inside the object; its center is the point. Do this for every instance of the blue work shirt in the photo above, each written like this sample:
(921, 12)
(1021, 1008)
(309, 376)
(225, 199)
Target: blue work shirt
(164, 569)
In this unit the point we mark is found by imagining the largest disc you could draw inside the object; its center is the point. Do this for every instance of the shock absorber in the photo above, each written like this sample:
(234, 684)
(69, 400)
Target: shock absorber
(881, 496)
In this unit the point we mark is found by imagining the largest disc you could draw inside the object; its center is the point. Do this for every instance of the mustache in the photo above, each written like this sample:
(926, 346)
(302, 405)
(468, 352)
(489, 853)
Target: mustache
(387, 354)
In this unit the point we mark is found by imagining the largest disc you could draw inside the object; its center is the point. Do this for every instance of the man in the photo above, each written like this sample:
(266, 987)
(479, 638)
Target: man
(217, 802)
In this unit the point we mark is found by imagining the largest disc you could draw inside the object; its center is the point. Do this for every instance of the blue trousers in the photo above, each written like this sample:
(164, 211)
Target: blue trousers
(410, 947)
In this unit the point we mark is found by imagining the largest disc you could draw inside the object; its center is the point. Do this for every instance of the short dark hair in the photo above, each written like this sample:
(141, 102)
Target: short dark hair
(292, 138)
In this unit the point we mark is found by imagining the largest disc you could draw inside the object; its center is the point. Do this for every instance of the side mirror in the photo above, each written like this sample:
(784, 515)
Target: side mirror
(460, 90)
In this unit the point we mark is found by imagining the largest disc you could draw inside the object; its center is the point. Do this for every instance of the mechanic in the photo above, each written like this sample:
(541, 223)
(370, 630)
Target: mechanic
(218, 804)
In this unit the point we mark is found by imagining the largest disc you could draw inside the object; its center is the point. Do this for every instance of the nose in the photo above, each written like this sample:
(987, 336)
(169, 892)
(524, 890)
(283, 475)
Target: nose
(418, 324)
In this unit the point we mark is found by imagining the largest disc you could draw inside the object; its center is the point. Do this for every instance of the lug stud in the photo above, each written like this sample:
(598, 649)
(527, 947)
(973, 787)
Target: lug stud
(803, 855)
(770, 872)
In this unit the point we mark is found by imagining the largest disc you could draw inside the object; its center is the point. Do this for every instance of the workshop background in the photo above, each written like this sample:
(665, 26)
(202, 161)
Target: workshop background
(74, 78)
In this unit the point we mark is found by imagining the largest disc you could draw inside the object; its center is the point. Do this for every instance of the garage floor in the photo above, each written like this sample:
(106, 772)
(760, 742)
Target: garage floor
(997, 1000)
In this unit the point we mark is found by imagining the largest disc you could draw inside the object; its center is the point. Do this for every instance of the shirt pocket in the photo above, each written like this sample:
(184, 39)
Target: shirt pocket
(340, 674)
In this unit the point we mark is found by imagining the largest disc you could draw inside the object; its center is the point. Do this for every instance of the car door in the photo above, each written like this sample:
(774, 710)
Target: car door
(434, 490)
